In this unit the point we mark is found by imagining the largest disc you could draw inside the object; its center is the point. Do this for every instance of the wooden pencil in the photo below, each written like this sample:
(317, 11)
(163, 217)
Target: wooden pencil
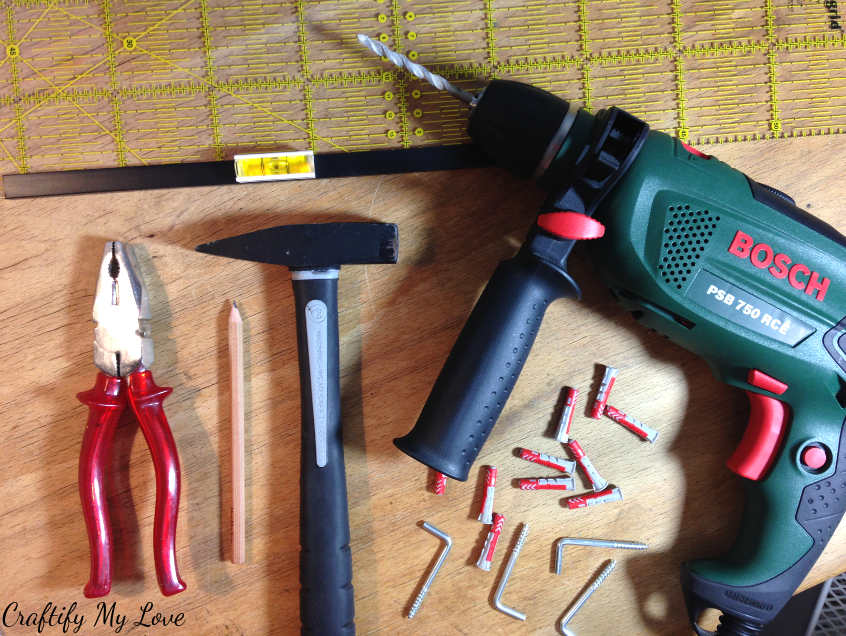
(236, 363)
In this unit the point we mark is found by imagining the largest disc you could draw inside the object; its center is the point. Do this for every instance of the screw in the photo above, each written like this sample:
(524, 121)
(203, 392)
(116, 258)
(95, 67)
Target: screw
(584, 597)
(498, 604)
(428, 583)
(596, 543)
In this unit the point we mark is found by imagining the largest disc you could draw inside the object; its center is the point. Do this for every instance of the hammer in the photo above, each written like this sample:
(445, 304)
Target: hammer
(314, 253)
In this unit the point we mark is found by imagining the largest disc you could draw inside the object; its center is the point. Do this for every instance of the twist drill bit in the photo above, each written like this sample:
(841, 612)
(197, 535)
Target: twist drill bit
(400, 60)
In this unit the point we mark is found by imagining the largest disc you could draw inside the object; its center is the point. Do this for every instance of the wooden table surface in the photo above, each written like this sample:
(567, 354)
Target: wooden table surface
(397, 324)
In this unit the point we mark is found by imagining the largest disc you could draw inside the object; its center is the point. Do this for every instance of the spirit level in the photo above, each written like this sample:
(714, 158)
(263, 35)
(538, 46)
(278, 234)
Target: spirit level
(244, 169)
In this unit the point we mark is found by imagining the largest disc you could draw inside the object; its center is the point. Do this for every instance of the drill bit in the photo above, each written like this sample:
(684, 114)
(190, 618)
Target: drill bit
(400, 60)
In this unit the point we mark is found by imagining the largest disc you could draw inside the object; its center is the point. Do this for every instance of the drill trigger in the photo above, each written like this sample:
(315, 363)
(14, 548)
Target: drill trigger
(571, 225)
(761, 441)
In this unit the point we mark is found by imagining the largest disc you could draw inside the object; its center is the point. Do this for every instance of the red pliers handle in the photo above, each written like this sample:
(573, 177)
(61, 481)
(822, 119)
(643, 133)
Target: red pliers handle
(106, 401)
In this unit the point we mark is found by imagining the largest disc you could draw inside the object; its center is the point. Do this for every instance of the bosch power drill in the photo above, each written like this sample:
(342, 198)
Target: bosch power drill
(726, 267)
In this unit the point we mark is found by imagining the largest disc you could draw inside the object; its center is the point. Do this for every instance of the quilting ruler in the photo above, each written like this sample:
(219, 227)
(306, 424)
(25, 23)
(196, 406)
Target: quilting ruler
(113, 83)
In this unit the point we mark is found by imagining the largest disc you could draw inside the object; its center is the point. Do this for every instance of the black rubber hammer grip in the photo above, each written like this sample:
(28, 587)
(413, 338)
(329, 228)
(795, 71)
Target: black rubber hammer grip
(326, 596)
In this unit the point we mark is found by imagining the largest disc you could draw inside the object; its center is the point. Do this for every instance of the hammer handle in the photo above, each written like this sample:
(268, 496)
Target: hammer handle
(326, 595)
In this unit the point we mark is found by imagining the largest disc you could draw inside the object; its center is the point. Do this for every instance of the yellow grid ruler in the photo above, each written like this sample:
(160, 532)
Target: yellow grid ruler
(97, 84)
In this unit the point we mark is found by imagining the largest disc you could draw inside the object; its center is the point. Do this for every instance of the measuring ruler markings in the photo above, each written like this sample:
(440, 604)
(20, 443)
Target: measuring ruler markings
(219, 78)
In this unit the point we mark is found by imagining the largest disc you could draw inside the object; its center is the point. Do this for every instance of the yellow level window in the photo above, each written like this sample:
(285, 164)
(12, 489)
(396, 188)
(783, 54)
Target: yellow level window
(274, 166)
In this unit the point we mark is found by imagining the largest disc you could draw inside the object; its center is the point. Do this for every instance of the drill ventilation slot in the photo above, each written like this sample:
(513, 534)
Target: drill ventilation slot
(686, 234)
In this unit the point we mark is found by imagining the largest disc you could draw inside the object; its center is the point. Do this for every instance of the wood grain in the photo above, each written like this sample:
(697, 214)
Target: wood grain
(397, 324)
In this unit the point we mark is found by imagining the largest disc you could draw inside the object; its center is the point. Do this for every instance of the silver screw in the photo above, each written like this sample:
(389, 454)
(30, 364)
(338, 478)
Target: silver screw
(596, 543)
(498, 604)
(428, 583)
(584, 597)
(400, 60)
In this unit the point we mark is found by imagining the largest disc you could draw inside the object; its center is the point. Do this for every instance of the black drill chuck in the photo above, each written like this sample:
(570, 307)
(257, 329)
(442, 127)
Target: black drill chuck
(514, 124)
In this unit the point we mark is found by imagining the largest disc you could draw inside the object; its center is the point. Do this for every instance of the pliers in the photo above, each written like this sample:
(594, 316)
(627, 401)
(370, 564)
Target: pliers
(123, 351)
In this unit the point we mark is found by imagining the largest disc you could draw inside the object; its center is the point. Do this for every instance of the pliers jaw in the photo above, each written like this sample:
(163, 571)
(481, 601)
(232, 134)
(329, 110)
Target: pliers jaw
(122, 342)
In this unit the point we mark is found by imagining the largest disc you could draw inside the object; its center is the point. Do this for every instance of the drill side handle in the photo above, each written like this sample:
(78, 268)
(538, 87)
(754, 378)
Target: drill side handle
(484, 364)
(326, 594)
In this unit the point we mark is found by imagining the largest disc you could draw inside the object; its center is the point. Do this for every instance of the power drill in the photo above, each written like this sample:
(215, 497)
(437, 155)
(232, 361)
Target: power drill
(724, 266)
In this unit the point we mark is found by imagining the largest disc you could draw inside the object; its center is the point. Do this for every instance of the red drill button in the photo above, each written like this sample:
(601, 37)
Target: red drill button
(766, 382)
(571, 225)
(813, 457)
(761, 441)
(694, 151)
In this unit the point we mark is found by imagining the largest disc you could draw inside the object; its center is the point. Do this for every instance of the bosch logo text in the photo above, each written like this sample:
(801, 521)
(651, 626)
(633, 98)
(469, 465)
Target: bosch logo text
(779, 265)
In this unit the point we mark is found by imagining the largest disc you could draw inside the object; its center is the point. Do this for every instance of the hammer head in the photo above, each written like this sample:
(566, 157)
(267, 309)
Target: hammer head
(313, 245)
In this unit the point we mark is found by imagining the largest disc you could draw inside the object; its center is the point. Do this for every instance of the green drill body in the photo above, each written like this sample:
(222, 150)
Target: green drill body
(679, 225)
(725, 267)
(732, 271)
